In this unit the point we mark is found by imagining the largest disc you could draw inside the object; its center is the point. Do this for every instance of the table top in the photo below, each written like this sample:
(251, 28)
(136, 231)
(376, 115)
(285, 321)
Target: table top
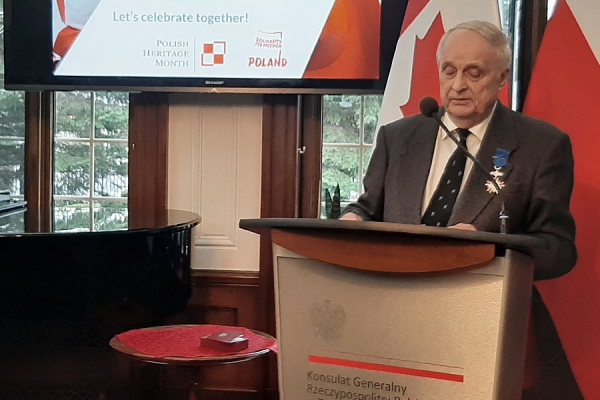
(116, 344)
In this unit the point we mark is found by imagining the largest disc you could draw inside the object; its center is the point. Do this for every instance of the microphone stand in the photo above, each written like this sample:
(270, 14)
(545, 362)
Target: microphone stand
(503, 216)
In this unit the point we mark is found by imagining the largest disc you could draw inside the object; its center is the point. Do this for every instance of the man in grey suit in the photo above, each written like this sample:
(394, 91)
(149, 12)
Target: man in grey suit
(531, 159)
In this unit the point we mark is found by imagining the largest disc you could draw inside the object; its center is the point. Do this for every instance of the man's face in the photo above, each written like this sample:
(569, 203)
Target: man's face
(470, 77)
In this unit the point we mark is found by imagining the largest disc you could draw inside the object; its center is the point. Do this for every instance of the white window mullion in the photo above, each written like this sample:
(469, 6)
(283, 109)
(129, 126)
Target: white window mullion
(361, 150)
(92, 157)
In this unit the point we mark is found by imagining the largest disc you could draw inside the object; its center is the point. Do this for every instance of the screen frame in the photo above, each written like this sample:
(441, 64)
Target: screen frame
(28, 25)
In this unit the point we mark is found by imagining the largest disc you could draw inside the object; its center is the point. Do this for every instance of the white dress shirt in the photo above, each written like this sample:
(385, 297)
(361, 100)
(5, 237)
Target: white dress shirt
(444, 147)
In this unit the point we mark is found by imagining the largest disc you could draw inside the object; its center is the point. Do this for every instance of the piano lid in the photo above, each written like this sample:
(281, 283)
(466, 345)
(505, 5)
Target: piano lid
(153, 221)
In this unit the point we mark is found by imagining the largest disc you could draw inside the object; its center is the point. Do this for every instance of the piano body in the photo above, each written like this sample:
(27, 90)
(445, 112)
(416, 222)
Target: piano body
(64, 295)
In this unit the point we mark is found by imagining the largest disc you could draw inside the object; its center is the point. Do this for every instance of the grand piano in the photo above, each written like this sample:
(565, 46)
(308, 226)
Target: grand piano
(63, 296)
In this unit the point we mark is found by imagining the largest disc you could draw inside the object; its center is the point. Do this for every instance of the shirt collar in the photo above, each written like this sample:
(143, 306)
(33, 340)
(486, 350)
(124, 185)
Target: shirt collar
(478, 130)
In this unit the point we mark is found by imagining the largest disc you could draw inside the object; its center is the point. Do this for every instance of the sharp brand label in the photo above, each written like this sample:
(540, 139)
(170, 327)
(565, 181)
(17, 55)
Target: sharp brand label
(262, 62)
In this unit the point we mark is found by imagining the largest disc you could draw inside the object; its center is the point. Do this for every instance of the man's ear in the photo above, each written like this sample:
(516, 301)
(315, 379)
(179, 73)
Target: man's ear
(504, 78)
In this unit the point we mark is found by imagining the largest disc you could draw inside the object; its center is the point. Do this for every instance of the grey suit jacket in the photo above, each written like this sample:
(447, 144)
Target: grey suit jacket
(538, 178)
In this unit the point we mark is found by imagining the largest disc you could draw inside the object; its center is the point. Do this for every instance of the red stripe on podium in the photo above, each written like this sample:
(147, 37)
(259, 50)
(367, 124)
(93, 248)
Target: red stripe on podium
(337, 362)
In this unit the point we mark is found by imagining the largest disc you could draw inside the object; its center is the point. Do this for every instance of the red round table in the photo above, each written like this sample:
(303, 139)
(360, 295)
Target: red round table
(127, 343)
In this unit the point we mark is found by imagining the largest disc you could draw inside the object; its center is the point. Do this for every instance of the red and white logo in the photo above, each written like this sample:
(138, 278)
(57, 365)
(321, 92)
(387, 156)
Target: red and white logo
(214, 54)
(269, 49)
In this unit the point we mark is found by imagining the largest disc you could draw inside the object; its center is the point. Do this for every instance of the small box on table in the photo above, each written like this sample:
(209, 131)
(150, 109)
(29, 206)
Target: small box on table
(226, 340)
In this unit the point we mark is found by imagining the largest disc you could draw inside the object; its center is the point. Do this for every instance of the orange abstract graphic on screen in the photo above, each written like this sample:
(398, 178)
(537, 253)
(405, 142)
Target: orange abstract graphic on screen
(74, 14)
(213, 54)
(336, 55)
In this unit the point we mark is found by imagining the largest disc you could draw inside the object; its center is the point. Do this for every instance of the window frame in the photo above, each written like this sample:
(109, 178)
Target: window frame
(361, 146)
(92, 199)
(148, 139)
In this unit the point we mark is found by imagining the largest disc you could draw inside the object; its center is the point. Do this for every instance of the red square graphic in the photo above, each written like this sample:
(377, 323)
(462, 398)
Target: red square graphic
(213, 54)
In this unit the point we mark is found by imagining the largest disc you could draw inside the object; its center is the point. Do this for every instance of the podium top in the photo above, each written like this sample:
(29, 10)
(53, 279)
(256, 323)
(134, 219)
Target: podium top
(388, 247)
(513, 241)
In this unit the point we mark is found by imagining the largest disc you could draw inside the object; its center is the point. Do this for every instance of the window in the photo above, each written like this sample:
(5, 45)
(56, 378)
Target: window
(551, 8)
(510, 11)
(349, 124)
(12, 143)
(90, 161)
(12, 131)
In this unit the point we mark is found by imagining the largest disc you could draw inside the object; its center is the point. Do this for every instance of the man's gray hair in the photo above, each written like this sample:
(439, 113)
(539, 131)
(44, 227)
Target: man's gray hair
(490, 32)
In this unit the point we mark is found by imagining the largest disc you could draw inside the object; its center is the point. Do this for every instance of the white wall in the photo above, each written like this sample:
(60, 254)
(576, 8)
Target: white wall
(215, 144)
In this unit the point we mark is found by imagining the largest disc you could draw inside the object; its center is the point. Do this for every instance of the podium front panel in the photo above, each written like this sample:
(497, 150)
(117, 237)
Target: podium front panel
(351, 334)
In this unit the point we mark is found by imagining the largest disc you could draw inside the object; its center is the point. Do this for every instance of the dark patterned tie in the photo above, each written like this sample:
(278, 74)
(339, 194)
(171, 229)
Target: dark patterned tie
(443, 199)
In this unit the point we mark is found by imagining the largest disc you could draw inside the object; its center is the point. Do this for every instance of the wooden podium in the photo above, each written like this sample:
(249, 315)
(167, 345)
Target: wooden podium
(380, 311)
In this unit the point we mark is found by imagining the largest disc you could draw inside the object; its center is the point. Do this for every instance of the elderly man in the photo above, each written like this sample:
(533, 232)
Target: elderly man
(416, 172)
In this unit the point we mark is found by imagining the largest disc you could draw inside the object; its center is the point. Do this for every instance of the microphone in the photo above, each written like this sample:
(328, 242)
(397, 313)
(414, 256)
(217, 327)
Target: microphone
(429, 107)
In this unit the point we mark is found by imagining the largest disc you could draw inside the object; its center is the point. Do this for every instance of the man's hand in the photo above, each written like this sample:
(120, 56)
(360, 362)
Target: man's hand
(350, 217)
(464, 227)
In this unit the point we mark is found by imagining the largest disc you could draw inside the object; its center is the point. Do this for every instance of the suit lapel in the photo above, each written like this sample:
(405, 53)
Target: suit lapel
(414, 167)
(474, 197)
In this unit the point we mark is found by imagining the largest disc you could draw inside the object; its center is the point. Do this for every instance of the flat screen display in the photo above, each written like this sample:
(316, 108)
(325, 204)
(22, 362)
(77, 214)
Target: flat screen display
(203, 45)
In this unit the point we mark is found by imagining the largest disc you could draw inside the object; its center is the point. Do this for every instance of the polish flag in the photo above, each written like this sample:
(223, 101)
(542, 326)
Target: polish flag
(564, 91)
(414, 72)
